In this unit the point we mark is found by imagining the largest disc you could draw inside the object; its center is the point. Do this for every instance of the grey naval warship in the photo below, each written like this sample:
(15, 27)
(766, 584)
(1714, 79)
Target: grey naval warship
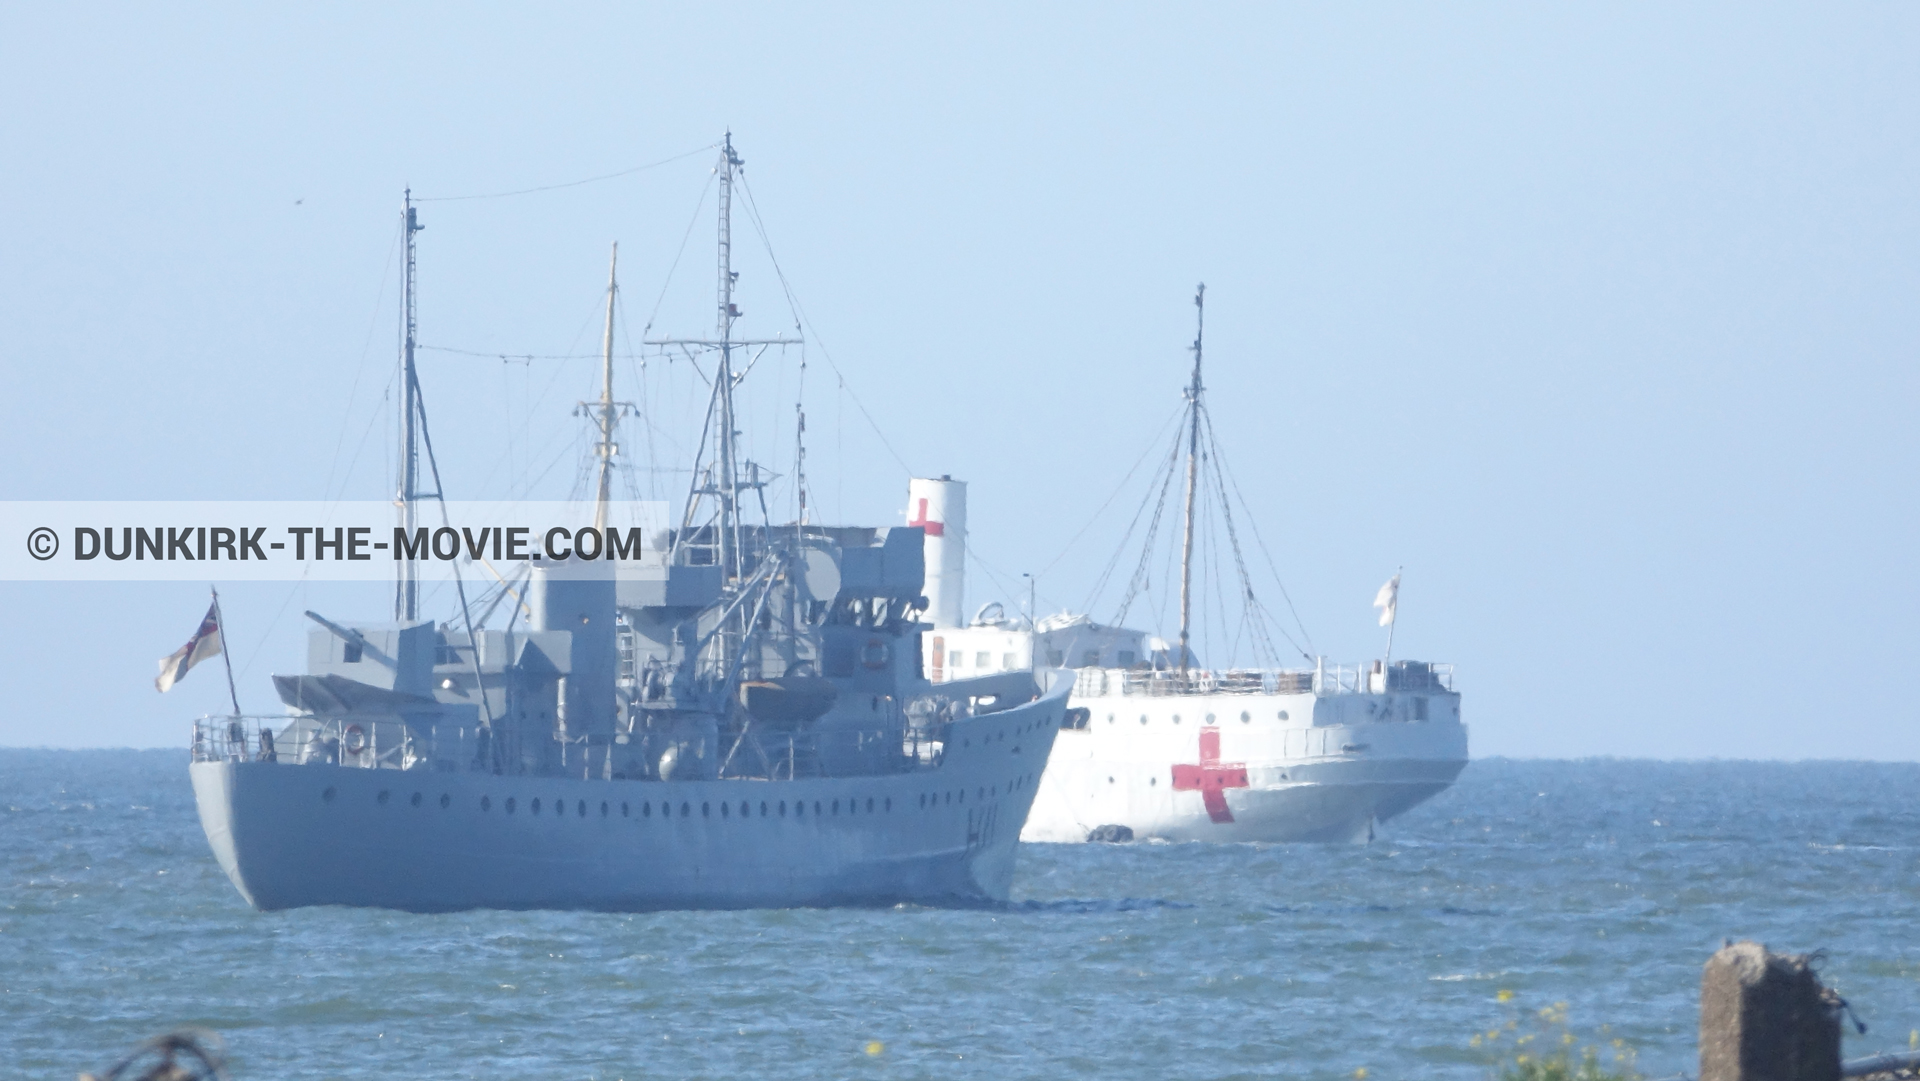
(750, 727)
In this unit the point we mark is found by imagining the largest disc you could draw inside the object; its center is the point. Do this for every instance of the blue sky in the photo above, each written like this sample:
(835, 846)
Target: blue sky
(1598, 319)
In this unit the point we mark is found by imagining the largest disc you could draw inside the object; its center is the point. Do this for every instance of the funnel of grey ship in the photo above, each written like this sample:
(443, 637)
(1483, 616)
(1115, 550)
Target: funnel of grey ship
(750, 727)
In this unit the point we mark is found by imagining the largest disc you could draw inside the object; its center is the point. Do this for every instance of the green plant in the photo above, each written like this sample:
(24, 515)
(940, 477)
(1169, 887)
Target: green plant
(1539, 1045)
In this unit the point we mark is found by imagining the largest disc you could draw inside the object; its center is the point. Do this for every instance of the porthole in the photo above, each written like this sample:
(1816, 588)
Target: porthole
(726, 809)
(646, 809)
(836, 806)
(816, 808)
(486, 803)
(416, 799)
(603, 808)
(963, 795)
(763, 808)
(783, 808)
(949, 799)
(923, 799)
(1109, 718)
(1283, 714)
(869, 804)
(510, 802)
(535, 805)
(1209, 718)
(383, 797)
(685, 808)
(1109, 780)
(446, 801)
(982, 793)
(888, 805)
(706, 810)
(625, 812)
(1245, 717)
(1176, 718)
(1153, 781)
(1143, 718)
(327, 796)
(745, 810)
(583, 808)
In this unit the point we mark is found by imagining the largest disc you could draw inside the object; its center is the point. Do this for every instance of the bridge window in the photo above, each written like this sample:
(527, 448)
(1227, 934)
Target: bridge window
(1007, 662)
(350, 652)
(983, 660)
(1056, 658)
(1126, 658)
(955, 659)
(1091, 660)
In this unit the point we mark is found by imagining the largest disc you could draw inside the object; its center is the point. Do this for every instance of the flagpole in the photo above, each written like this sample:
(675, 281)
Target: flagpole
(1394, 623)
(226, 654)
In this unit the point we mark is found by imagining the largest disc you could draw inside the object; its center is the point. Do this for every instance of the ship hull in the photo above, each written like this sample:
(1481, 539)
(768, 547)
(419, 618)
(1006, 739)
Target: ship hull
(1331, 776)
(416, 840)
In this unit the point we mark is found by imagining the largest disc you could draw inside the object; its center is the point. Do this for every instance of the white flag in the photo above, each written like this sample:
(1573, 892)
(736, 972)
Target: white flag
(1387, 600)
(204, 643)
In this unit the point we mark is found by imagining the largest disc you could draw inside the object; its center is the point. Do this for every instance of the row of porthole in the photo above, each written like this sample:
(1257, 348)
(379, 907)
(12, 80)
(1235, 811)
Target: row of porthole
(767, 810)
(937, 799)
(1245, 718)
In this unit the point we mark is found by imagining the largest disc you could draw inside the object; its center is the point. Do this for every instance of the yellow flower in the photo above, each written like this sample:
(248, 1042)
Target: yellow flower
(874, 1047)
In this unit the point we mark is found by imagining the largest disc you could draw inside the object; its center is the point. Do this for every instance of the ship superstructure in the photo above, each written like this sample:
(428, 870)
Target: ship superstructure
(1158, 744)
(746, 723)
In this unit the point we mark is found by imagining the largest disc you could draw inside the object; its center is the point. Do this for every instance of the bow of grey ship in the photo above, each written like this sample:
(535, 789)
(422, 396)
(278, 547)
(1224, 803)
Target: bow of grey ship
(746, 726)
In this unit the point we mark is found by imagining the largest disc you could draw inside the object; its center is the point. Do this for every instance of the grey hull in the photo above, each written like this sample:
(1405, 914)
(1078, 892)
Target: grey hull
(422, 841)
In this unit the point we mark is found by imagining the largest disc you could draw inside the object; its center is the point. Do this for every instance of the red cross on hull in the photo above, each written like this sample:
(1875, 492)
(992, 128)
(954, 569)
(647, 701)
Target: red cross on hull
(1211, 777)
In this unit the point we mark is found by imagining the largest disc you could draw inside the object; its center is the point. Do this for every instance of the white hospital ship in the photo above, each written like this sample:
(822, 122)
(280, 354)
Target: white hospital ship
(1158, 745)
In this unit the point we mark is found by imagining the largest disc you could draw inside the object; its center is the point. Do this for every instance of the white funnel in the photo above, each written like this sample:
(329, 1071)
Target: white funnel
(940, 507)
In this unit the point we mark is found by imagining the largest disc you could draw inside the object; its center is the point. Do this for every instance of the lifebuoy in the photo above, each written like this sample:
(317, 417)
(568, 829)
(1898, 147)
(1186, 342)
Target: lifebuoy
(354, 739)
(875, 653)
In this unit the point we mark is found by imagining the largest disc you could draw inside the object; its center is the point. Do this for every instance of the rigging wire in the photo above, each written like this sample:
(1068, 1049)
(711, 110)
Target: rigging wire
(1117, 489)
(807, 327)
(568, 184)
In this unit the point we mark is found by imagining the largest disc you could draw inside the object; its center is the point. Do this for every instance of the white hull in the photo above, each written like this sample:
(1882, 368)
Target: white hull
(292, 835)
(1328, 772)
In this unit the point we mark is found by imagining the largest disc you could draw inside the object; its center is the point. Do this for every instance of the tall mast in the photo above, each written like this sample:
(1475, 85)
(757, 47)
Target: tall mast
(729, 523)
(406, 594)
(1193, 479)
(606, 408)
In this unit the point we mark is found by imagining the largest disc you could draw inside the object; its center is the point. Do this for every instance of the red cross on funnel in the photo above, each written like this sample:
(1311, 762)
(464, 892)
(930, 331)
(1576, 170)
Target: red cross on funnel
(1212, 776)
(933, 529)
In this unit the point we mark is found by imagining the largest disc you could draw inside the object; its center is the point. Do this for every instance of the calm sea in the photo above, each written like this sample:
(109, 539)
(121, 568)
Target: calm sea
(1601, 884)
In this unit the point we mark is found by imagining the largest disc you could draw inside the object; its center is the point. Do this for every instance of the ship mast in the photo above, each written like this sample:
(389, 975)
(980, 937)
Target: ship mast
(406, 594)
(729, 486)
(606, 409)
(1193, 478)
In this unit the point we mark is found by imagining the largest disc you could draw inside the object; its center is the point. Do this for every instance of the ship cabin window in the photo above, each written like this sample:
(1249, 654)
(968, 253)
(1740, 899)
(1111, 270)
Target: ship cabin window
(1056, 658)
(1126, 658)
(1091, 660)
(983, 660)
(955, 659)
(350, 652)
(1007, 662)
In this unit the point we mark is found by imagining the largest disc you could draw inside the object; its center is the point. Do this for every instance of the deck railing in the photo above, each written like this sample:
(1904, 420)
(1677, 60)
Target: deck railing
(1415, 677)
